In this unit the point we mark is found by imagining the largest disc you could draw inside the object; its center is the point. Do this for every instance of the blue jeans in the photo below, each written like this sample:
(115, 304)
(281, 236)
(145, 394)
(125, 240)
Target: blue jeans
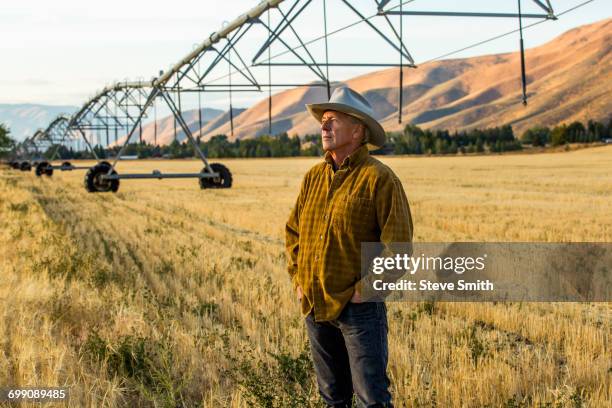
(350, 354)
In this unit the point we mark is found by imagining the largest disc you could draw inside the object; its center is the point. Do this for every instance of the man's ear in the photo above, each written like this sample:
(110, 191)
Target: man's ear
(360, 127)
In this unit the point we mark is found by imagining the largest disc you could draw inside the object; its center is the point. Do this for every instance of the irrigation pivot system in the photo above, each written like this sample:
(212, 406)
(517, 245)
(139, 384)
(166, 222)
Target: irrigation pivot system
(22, 154)
(50, 141)
(238, 58)
(42, 148)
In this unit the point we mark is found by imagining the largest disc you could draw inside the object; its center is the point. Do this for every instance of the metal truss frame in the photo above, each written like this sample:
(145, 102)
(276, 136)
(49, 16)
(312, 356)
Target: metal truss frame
(112, 109)
(121, 106)
(58, 133)
(28, 149)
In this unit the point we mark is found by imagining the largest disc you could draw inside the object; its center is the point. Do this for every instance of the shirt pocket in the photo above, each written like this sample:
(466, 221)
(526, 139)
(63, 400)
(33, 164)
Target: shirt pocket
(354, 214)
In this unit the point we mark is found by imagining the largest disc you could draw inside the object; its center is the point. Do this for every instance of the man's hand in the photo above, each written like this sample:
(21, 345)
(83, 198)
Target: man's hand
(299, 292)
(356, 298)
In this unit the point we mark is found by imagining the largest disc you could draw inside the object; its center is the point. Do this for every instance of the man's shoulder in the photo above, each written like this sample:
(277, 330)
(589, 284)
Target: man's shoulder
(312, 174)
(316, 169)
(377, 169)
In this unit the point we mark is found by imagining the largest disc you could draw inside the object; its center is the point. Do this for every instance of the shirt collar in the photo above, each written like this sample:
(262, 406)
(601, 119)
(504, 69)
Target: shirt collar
(352, 160)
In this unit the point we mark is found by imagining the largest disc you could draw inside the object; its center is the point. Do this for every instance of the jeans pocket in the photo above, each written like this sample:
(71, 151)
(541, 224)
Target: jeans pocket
(361, 311)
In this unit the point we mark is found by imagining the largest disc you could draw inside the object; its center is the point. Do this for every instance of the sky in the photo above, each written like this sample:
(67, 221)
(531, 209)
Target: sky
(62, 52)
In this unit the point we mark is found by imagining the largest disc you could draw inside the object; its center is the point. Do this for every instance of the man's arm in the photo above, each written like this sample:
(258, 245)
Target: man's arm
(395, 223)
(292, 234)
(393, 212)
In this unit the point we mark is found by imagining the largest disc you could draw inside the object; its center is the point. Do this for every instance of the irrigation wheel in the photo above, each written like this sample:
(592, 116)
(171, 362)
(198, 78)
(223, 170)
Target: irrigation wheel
(94, 182)
(223, 181)
(44, 168)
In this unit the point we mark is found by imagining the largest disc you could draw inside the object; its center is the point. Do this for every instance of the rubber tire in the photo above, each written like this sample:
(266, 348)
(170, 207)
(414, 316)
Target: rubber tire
(94, 185)
(41, 168)
(224, 181)
(25, 166)
(15, 165)
(66, 164)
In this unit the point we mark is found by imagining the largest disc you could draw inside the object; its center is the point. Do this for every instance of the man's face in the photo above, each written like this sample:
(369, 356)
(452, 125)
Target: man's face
(338, 130)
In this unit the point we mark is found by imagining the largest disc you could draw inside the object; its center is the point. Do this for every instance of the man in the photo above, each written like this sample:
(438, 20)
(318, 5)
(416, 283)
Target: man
(347, 199)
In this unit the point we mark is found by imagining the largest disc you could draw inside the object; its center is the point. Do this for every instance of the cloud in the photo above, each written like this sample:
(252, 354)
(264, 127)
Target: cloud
(26, 82)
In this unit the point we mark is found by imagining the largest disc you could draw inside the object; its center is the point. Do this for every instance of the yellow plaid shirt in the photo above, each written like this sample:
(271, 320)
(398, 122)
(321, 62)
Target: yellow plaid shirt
(362, 201)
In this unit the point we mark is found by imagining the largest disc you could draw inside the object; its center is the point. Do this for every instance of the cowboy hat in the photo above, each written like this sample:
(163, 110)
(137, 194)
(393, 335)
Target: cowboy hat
(350, 102)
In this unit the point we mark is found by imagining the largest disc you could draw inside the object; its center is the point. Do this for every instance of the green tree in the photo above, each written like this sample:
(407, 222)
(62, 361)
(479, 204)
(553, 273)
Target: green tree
(263, 148)
(479, 145)
(507, 134)
(558, 136)
(100, 151)
(536, 136)
(499, 147)
(312, 143)
(575, 132)
(414, 130)
(441, 146)
(6, 142)
(218, 146)
(596, 131)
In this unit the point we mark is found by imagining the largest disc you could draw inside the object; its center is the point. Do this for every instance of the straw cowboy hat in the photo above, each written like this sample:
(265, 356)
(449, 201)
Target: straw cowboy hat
(348, 101)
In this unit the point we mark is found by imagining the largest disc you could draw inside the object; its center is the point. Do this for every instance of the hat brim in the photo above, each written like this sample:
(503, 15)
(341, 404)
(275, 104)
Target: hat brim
(377, 133)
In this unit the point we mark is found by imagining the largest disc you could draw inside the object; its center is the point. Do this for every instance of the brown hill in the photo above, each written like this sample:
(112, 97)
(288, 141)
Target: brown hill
(568, 78)
(165, 127)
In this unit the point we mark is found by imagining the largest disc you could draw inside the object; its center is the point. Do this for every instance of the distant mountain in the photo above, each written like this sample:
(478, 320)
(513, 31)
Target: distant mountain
(24, 119)
(165, 127)
(218, 121)
(569, 78)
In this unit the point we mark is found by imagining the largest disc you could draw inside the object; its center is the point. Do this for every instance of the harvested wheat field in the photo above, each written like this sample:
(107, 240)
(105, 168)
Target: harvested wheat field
(166, 295)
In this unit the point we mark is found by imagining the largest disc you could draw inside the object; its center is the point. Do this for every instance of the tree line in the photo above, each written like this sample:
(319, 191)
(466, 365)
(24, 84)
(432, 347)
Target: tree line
(412, 140)
(575, 132)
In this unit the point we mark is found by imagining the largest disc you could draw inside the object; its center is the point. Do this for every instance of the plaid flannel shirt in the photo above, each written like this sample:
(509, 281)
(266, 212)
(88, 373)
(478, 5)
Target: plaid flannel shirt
(362, 201)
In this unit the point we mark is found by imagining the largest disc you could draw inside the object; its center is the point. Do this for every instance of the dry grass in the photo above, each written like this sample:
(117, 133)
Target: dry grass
(163, 294)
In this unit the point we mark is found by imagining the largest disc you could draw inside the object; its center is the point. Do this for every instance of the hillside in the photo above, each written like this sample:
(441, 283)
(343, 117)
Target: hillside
(24, 119)
(568, 79)
(165, 126)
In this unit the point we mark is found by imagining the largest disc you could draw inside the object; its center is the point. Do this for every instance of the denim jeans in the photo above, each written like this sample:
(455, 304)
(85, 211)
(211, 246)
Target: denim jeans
(350, 354)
